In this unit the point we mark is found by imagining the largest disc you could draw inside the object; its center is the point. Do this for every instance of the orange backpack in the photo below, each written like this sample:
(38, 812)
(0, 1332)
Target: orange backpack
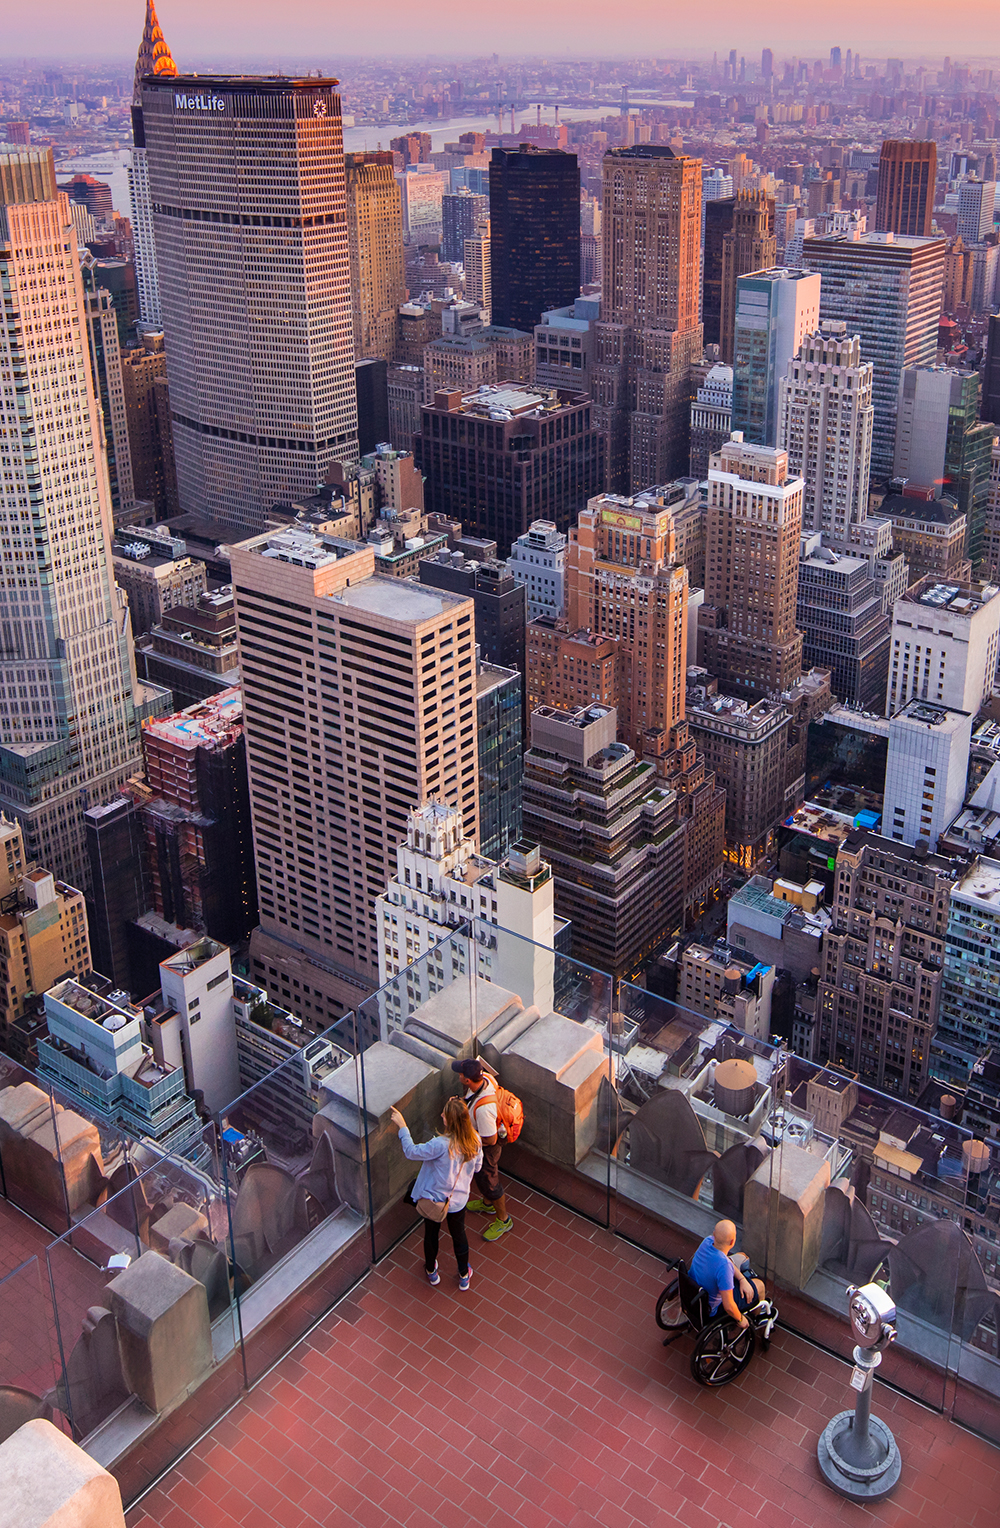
(510, 1110)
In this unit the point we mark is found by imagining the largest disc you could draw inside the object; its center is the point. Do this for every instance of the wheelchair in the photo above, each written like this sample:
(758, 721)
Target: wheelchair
(723, 1348)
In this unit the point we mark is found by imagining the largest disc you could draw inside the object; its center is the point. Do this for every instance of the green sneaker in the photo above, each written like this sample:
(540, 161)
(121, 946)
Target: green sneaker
(481, 1207)
(498, 1228)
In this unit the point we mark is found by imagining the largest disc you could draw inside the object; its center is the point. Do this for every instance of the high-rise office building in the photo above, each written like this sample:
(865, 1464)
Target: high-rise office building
(500, 733)
(775, 310)
(969, 1021)
(359, 703)
(150, 433)
(825, 416)
(618, 863)
(375, 241)
(990, 403)
(991, 540)
(538, 561)
(534, 233)
(711, 418)
(745, 745)
(886, 288)
(477, 262)
(716, 222)
(623, 581)
(494, 488)
(69, 723)
(748, 245)
(941, 440)
(500, 602)
(106, 361)
(976, 199)
(752, 568)
(905, 197)
(879, 992)
(649, 334)
(927, 766)
(844, 627)
(254, 287)
(462, 212)
(945, 643)
(154, 58)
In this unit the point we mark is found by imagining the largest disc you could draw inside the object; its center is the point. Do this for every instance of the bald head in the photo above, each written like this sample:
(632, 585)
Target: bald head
(724, 1235)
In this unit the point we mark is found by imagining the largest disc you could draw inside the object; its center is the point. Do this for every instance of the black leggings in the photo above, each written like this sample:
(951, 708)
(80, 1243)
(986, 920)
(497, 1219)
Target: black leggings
(459, 1240)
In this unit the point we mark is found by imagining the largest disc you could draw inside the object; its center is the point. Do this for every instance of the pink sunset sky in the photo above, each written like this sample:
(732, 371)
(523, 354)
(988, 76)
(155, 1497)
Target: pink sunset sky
(230, 32)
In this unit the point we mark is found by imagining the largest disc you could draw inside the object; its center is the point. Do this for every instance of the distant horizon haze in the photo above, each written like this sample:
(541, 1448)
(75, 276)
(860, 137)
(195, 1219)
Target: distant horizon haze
(227, 36)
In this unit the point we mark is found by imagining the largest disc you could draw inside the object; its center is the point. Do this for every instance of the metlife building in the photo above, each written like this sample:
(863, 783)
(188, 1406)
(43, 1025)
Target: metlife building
(246, 184)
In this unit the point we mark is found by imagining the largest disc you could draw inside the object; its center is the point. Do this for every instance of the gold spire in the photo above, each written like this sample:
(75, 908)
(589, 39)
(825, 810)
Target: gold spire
(154, 55)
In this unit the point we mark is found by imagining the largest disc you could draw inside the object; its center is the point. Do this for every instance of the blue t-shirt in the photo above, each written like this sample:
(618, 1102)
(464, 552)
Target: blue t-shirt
(713, 1271)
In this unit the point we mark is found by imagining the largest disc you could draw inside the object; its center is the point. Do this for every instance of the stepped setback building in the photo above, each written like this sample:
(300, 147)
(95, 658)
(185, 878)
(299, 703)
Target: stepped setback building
(154, 59)
(375, 241)
(69, 704)
(649, 332)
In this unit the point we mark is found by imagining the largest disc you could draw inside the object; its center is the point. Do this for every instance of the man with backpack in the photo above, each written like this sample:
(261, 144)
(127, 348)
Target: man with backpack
(482, 1098)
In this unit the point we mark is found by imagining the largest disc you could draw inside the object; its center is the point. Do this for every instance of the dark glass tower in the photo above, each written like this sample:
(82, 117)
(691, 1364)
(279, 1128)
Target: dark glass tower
(535, 233)
(990, 407)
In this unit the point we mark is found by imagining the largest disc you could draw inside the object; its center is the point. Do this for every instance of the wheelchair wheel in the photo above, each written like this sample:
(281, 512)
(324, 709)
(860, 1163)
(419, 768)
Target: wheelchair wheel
(670, 1315)
(722, 1352)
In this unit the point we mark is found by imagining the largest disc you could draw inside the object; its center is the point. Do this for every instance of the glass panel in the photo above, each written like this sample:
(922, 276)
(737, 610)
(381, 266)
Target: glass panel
(975, 1349)
(115, 1389)
(696, 1097)
(29, 1356)
(425, 1017)
(31, 1167)
(296, 1215)
(549, 1045)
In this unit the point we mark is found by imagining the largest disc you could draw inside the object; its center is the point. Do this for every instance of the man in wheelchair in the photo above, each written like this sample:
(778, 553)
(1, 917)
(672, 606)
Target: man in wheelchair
(720, 1272)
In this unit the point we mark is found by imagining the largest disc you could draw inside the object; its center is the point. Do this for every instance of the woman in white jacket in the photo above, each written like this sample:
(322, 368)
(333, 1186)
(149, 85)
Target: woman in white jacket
(448, 1163)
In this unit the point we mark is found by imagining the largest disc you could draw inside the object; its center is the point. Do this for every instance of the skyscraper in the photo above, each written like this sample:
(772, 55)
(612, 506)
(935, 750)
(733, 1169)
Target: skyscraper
(825, 416)
(649, 333)
(905, 197)
(106, 360)
(748, 245)
(752, 569)
(990, 403)
(359, 703)
(887, 289)
(534, 233)
(69, 723)
(154, 58)
(254, 272)
(716, 222)
(975, 209)
(461, 213)
(478, 273)
(375, 241)
(775, 310)
(940, 440)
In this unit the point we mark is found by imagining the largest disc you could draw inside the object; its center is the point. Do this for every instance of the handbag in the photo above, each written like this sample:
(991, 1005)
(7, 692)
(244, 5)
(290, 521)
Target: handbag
(430, 1209)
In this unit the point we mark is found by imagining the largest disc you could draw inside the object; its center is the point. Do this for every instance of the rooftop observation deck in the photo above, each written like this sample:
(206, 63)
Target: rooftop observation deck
(329, 1384)
(543, 1398)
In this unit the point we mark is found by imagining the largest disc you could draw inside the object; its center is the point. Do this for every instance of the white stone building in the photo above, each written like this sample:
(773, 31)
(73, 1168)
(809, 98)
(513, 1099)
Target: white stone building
(944, 645)
(442, 887)
(537, 560)
(926, 771)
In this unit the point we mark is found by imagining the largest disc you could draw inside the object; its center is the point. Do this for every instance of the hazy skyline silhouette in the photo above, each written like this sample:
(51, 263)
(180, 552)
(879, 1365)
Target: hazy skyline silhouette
(228, 30)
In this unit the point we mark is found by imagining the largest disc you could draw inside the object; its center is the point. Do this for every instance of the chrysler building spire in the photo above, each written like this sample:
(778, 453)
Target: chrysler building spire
(154, 55)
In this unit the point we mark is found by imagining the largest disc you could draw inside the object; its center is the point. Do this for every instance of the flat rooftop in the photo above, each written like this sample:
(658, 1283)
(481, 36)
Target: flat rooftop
(400, 599)
(588, 1422)
(982, 883)
(956, 599)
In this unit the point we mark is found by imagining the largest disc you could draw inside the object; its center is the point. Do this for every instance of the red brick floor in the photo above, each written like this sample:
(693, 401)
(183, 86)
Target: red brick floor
(543, 1397)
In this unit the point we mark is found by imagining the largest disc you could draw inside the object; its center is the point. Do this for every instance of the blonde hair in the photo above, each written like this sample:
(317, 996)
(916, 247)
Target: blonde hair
(463, 1139)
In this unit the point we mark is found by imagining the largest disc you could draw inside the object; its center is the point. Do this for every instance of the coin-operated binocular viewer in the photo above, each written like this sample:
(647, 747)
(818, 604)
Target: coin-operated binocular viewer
(857, 1453)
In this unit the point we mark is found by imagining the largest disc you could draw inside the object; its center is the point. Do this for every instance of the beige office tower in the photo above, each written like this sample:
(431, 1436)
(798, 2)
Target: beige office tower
(752, 570)
(375, 238)
(359, 704)
(649, 333)
(246, 181)
(825, 415)
(476, 251)
(68, 704)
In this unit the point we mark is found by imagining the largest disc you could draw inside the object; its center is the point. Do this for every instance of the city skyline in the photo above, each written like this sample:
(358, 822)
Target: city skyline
(641, 33)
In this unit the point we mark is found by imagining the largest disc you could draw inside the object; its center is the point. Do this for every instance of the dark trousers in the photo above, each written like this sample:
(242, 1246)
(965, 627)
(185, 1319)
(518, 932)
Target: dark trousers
(459, 1240)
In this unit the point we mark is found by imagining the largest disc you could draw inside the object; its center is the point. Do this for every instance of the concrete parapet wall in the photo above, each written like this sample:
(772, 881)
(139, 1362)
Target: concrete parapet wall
(46, 1481)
